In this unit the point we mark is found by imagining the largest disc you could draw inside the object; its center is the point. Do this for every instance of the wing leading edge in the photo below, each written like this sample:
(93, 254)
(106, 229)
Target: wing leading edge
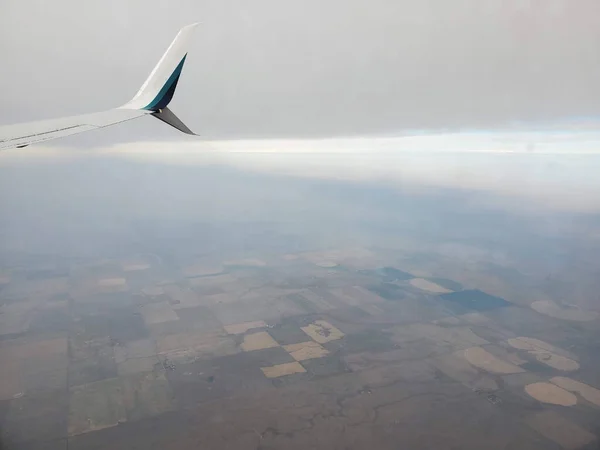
(151, 99)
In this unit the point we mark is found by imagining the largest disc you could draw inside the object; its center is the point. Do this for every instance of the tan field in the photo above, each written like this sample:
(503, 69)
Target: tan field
(153, 290)
(281, 370)
(556, 361)
(322, 332)
(545, 353)
(488, 362)
(326, 263)
(532, 344)
(112, 282)
(591, 394)
(258, 341)
(428, 286)
(553, 310)
(550, 393)
(305, 350)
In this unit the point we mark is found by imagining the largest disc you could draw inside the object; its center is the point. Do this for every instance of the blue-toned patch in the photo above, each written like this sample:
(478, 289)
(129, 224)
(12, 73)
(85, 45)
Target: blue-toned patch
(165, 95)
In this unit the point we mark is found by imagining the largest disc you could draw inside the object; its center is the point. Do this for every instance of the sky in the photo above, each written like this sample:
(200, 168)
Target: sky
(349, 90)
(273, 68)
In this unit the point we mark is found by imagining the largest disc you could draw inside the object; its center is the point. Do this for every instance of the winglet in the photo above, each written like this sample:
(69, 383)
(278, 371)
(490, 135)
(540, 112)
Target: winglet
(152, 99)
(169, 117)
(158, 89)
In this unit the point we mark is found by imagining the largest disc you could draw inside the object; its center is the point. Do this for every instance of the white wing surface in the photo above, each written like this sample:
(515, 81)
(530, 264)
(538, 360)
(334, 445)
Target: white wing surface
(152, 98)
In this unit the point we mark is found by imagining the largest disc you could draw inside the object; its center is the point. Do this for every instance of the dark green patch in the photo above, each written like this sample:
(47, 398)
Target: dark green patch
(472, 300)
(91, 370)
(345, 315)
(301, 301)
(539, 368)
(127, 326)
(389, 291)
(366, 341)
(390, 274)
(10, 336)
(59, 298)
(160, 431)
(327, 366)
(92, 326)
(4, 406)
(36, 419)
(50, 320)
(288, 380)
(208, 290)
(446, 283)
(104, 303)
(206, 380)
(508, 274)
(90, 361)
(199, 318)
(47, 274)
(122, 325)
(44, 374)
(527, 322)
(268, 357)
(288, 332)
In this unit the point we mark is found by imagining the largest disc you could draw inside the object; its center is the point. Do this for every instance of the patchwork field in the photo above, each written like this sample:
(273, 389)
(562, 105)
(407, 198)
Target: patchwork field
(242, 354)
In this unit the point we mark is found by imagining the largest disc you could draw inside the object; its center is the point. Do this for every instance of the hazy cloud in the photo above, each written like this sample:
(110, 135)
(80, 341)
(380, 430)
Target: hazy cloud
(559, 173)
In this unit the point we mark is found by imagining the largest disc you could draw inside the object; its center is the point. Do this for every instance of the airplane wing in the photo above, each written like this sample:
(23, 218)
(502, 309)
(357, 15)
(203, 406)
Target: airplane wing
(151, 99)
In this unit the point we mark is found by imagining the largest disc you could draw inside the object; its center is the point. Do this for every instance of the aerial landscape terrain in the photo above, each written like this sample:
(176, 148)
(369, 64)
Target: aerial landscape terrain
(205, 307)
(381, 230)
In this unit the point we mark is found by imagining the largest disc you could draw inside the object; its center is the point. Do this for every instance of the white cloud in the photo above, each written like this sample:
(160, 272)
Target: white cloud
(558, 170)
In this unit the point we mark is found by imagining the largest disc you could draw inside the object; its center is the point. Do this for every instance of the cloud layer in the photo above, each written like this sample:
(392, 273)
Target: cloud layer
(557, 170)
